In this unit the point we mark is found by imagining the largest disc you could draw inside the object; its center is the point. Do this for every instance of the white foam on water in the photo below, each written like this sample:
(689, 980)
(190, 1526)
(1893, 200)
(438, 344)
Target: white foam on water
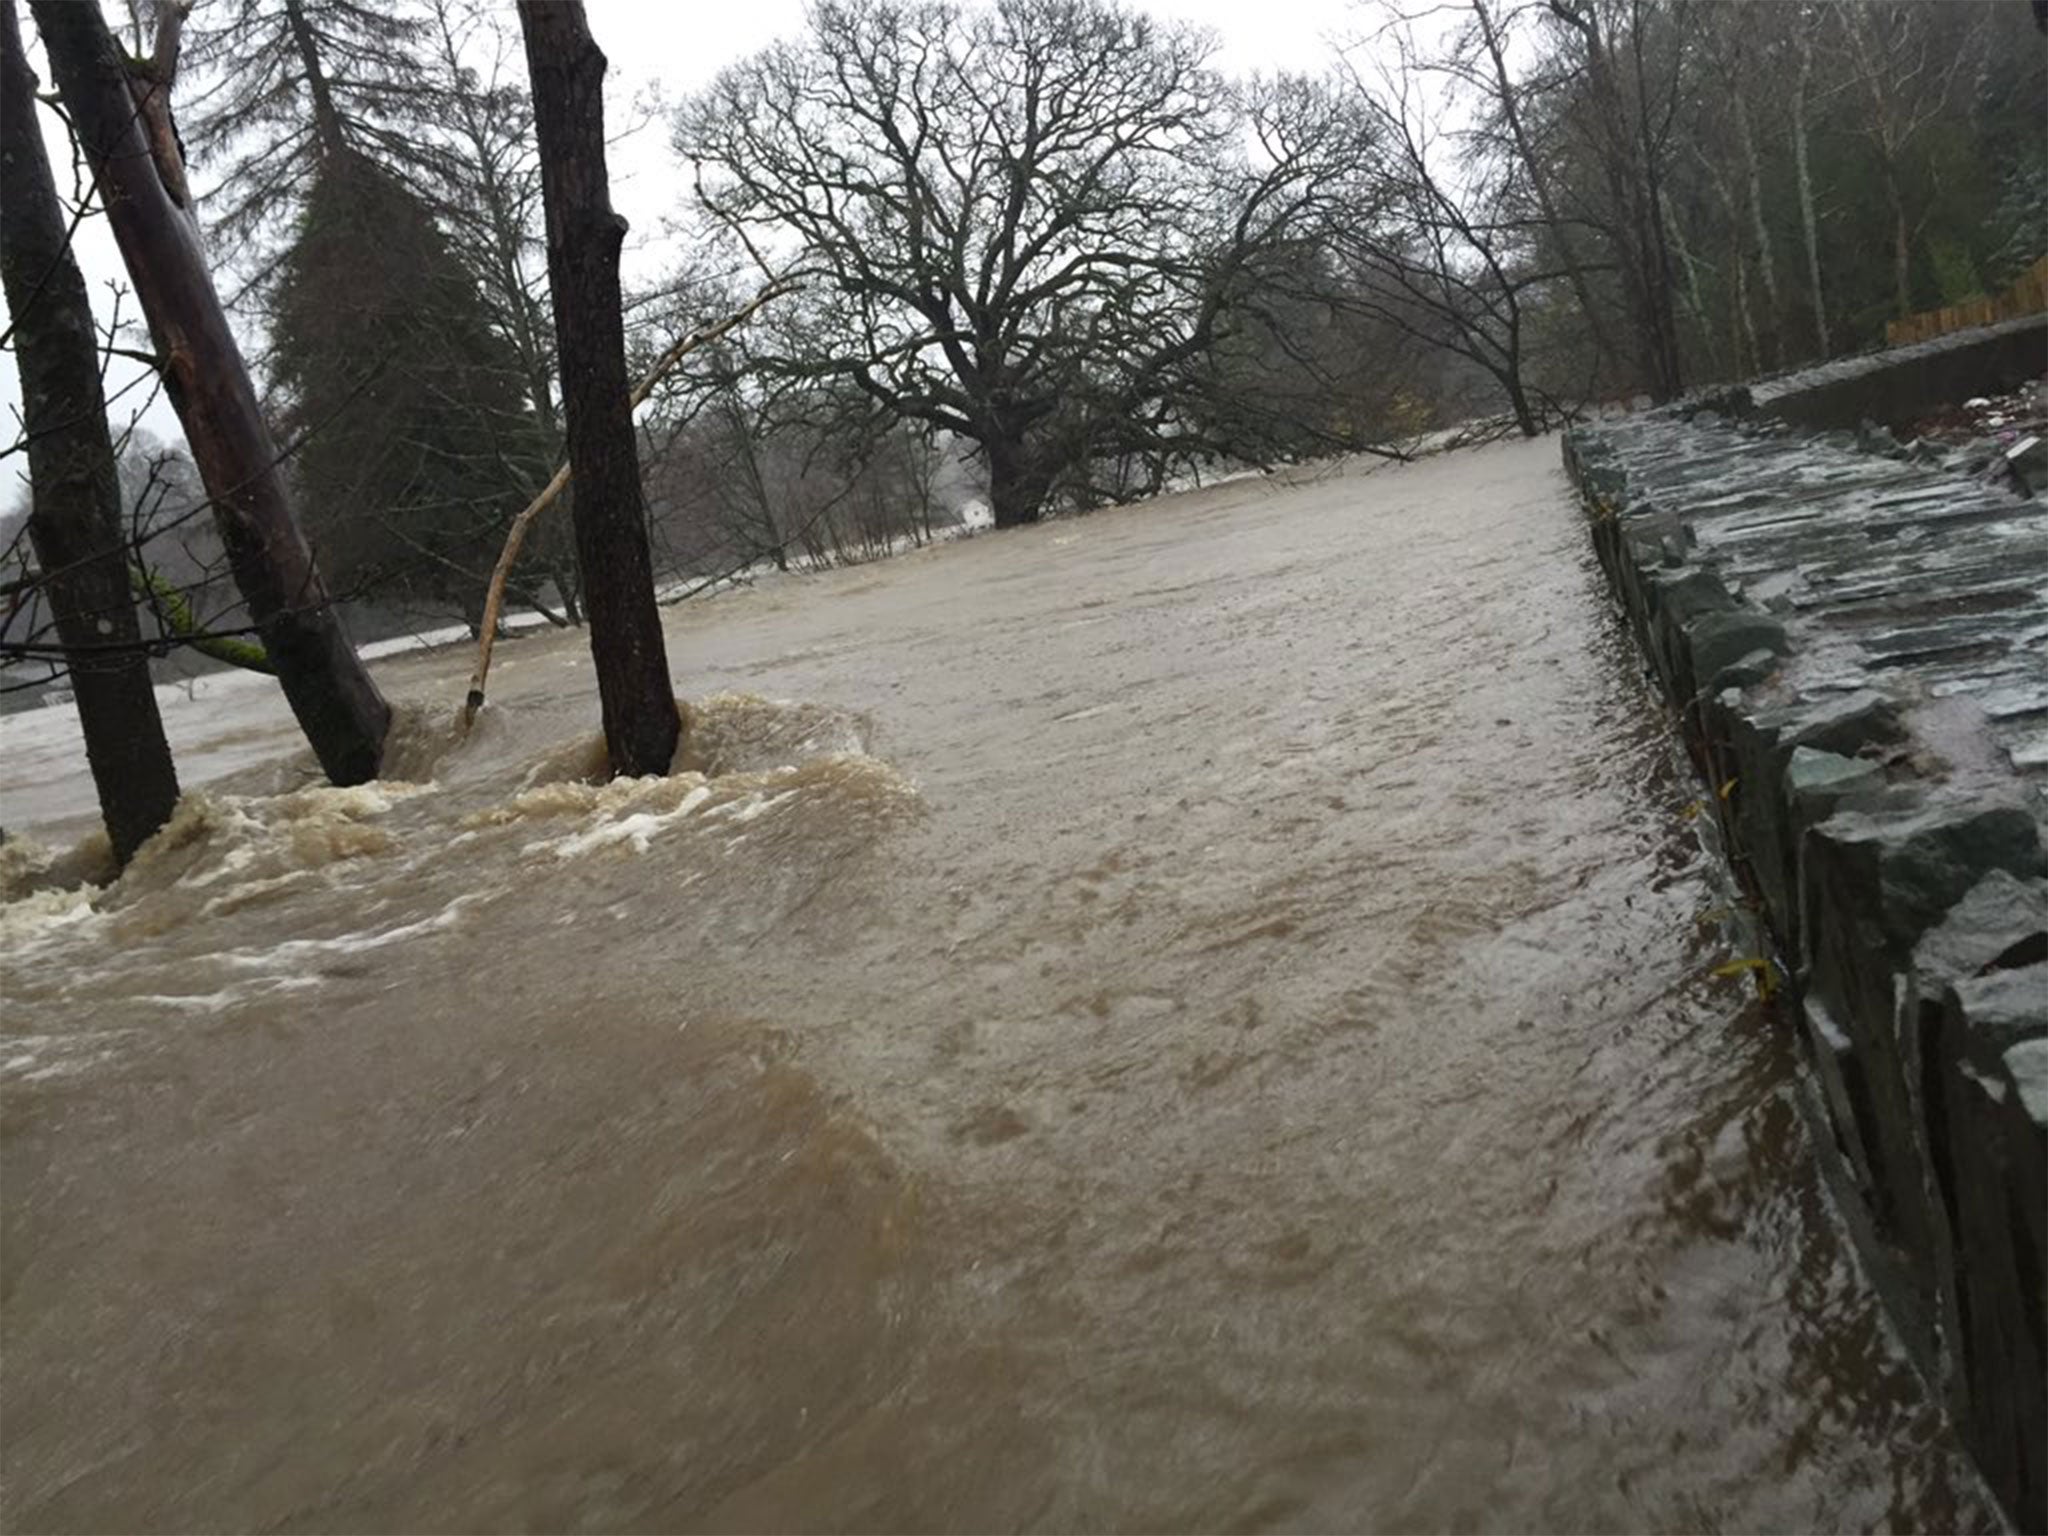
(291, 951)
(229, 997)
(31, 922)
(637, 829)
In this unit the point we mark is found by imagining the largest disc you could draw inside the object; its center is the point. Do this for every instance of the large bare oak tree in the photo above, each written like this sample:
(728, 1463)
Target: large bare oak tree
(1033, 218)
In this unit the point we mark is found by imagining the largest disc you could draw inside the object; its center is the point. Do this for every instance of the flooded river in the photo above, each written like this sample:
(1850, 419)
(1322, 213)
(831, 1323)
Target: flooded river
(1196, 1017)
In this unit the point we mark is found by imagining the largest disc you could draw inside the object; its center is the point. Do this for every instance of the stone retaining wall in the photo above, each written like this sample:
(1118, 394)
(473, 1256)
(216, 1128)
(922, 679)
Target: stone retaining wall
(1898, 387)
(1858, 650)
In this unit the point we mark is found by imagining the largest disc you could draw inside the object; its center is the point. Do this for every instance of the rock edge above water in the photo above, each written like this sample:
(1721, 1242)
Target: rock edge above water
(1857, 648)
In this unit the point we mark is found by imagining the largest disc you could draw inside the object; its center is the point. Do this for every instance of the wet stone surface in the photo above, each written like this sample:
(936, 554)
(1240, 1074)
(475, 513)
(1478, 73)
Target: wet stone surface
(1857, 645)
(1885, 575)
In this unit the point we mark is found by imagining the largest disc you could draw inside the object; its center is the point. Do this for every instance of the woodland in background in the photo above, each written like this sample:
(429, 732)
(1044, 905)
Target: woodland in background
(1037, 255)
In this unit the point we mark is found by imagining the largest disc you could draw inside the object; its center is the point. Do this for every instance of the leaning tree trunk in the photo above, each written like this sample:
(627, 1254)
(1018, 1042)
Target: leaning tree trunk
(641, 724)
(340, 710)
(75, 510)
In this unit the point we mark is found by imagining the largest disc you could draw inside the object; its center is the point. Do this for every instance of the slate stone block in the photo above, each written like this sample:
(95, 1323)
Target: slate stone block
(1992, 1121)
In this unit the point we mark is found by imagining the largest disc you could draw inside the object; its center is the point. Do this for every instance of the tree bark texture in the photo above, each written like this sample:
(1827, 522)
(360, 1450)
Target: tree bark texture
(641, 723)
(338, 707)
(1016, 488)
(1767, 261)
(1659, 285)
(1809, 222)
(75, 513)
(326, 120)
(1902, 242)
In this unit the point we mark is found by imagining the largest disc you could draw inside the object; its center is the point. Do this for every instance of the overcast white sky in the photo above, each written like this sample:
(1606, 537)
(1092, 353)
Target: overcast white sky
(678, 47)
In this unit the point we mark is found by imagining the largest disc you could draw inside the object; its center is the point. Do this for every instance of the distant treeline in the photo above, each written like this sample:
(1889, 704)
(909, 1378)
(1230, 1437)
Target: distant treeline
(1048, 256)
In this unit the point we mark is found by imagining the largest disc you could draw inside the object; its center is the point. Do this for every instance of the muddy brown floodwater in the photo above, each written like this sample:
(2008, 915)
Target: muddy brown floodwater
(1196, 1017)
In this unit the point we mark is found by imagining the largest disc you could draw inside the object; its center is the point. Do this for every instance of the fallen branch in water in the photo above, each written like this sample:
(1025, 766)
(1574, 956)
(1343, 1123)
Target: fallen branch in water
(515, 536)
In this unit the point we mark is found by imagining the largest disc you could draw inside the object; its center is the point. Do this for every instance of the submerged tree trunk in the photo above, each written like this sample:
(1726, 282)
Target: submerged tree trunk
(338, 707)
(75, 511)
(641, 724)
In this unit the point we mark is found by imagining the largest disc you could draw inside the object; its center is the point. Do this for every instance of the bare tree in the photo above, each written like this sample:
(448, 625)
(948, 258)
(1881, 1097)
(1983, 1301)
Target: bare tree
(1438, 246)
(742, 477)
(727, 496)
(1802, 157)
(1752, 166)
(641, 723)
(1624, 118)
(75, 516)
(1716, 193)
(1905, 69)
(1701, 172)
(1028, 216)
(337, 705)
(1490, 39)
